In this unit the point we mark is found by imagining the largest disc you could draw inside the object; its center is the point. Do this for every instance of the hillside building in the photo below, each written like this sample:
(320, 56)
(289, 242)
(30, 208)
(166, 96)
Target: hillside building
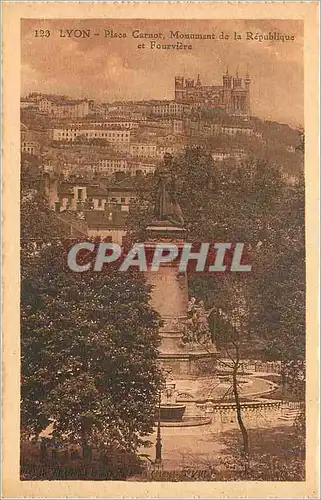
(233, 96)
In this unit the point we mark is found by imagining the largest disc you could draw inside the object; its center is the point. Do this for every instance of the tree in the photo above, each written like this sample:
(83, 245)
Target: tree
(89, 354)
(301, 146)
(81, 139)
(38, 223)
(267, 214)
(99, 141)
(88, 343)
(230, 340)
(280, 287)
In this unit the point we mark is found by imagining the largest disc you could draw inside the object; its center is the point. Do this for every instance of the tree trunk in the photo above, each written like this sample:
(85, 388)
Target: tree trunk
(43, 450)
(86, 450)
(239, 412)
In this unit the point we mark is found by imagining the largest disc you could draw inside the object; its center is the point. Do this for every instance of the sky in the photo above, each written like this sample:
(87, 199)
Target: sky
(112, 68)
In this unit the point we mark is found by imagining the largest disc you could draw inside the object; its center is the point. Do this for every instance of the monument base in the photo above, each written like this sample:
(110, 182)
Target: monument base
(186, 359)
(181, 365)
(170, 298)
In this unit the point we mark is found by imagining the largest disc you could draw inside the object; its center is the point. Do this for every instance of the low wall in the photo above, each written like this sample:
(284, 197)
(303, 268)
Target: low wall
(253, 366)
(252, 412)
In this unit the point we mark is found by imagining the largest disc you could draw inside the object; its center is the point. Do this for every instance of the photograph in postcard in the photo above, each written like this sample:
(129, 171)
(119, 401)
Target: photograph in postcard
(162, 250)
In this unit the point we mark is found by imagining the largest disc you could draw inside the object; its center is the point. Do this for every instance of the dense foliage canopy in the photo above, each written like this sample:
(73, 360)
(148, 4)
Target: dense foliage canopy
(88, 342)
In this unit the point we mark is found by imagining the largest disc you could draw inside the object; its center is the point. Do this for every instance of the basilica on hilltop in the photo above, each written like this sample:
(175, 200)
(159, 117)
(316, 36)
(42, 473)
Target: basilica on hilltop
(233, 96)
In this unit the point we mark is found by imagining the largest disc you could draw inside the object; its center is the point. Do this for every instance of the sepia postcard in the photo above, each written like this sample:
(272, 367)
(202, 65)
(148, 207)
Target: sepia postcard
(160, 250)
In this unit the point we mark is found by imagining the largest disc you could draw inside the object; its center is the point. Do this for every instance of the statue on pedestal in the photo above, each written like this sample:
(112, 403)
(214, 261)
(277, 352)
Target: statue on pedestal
(169, 287)
(167, 209)
(196, 326)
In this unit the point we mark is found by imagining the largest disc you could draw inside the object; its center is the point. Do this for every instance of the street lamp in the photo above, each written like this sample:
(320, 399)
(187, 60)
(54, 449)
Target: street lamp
(158, 446)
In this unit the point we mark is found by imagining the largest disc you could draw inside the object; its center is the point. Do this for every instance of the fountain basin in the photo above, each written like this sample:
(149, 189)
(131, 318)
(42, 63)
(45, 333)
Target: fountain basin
(171, 412)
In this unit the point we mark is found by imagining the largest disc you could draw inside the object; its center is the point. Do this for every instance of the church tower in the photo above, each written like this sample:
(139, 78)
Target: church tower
(227, 91)
(237, 81)
(179, 88)
(247, 83)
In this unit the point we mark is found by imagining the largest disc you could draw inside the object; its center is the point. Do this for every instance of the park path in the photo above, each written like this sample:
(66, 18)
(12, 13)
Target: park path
(184, 446)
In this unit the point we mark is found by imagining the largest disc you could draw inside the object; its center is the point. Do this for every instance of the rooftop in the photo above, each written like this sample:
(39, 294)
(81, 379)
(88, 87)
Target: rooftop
(124, 184)
(62, 100)
(89, 126)
(100, 219)
(238, 124)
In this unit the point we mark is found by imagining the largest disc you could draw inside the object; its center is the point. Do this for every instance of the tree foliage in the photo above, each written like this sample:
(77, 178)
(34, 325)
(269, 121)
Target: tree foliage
(88, 342)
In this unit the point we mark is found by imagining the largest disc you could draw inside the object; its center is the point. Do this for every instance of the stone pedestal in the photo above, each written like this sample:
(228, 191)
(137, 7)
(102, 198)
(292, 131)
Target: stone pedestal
(170, 298)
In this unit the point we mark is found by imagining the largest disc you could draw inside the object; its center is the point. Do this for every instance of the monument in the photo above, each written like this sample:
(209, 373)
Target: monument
(169, 294)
